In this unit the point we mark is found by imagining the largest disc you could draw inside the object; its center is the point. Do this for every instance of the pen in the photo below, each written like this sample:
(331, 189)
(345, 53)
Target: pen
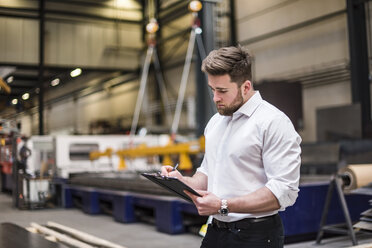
(175, 167)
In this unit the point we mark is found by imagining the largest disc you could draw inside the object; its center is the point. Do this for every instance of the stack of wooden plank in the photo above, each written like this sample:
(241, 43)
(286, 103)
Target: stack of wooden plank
(365, 222)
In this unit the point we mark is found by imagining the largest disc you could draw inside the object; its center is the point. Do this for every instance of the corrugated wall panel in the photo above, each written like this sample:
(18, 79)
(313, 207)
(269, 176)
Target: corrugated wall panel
(305, 49)
(13, 40)
(18, 40)
(88, 45)
(261, 17)
(83, 56)
(51, 43)
(30, 41)
(66, 35)
(2, 38)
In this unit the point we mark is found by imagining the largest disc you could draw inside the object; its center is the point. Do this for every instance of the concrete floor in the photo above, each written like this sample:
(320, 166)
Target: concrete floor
(136, 235)
(364, 240)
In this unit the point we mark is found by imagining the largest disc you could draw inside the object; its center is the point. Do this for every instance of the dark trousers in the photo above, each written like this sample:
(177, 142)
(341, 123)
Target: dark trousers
(267, 233)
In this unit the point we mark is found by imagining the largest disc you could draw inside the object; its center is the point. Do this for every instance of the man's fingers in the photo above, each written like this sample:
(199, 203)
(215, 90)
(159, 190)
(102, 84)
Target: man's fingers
(191, 195)
(202, 192)
(198, 201)
(165, 170)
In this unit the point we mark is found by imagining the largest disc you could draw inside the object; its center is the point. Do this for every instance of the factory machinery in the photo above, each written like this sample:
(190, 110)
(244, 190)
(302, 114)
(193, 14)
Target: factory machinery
(8, 136)
(101, 174)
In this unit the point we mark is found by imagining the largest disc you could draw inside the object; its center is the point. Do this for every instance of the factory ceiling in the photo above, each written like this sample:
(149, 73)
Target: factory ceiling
(18, 78)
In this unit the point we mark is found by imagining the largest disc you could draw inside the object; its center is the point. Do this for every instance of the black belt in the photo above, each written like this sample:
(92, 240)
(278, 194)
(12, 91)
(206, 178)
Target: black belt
(242, 224)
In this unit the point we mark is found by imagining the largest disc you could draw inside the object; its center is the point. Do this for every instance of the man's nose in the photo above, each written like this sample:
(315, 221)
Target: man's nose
(216, 97)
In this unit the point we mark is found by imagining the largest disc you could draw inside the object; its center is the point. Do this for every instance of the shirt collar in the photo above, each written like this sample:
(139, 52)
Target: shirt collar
(250, 106)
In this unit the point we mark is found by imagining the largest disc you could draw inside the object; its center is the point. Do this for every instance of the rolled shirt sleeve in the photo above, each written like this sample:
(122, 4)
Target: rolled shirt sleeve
(281, 159)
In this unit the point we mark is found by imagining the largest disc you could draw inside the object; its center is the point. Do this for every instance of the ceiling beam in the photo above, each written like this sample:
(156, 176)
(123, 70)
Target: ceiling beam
(21, 66)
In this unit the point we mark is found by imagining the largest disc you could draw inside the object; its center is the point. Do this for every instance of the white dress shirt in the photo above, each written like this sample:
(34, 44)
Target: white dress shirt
(257, 146)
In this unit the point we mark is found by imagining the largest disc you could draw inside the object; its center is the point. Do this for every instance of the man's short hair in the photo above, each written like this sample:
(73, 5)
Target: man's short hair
(234, 61)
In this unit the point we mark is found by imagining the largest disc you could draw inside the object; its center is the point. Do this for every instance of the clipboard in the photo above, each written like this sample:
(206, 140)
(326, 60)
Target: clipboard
(172, 184)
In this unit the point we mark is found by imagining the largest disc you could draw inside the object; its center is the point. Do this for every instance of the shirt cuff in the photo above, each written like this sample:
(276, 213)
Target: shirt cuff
(286, 195)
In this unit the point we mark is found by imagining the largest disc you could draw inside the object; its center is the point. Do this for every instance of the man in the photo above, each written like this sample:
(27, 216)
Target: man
(24, 153)
(251, 165)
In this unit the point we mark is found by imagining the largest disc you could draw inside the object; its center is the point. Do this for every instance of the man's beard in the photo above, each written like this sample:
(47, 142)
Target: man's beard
(234, 106)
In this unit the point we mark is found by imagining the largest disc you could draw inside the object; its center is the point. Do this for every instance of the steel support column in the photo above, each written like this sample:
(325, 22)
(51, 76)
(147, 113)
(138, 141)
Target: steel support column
(203, 103)
(359, 68)
(144, 20)
(232, 24)
(41, 65)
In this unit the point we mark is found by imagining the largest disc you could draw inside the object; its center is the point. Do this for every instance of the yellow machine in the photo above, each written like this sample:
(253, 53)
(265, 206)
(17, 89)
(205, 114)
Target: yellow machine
(182, 150)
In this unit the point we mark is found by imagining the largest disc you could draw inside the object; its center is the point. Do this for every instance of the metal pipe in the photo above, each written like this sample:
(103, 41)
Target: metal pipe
(359, 65)
(84, 237)
(203, 55)
(163, 90)
(182, 90)
(141, 93)
(62, 237)
(41, 65)
(232, 23)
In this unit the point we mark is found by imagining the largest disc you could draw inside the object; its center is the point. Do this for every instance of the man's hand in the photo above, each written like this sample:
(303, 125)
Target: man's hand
(169, 172)
(208, 204)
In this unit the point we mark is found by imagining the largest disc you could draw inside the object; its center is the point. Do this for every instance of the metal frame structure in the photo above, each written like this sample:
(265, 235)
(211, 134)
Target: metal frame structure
(31, 78)
(195, 36)
(336, 183)
(359, 66)
(151, 54)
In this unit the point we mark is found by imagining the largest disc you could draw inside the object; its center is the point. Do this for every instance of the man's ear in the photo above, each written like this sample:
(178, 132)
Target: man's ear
(246, 87)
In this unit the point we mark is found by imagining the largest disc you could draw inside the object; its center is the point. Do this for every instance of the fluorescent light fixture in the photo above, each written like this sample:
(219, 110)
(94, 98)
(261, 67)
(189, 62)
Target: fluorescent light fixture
(25, 96)
(75, 72)
(14, 101)
(55, 82)
(10, 79)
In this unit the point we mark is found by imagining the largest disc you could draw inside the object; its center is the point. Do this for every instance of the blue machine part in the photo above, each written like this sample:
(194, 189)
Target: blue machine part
(304, 216)
(300, 219)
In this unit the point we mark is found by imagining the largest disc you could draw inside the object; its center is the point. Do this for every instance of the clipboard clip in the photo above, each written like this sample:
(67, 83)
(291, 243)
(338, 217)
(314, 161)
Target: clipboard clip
(159, 175)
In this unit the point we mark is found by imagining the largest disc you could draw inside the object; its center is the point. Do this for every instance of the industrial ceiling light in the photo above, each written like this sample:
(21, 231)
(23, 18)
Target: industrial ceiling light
(75, 72)
(10, 79)
(195, 6)
(14, 101)
(25, 96)
(55, 82)
(152, 26)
